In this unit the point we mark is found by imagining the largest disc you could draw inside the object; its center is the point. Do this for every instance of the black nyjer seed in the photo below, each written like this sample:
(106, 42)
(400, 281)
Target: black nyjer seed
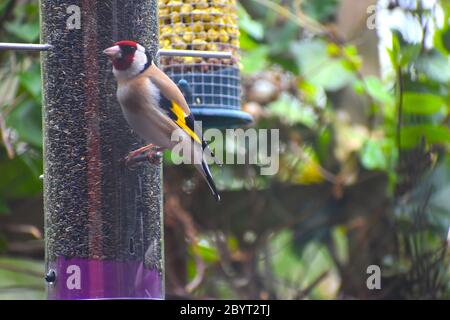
(93, 203)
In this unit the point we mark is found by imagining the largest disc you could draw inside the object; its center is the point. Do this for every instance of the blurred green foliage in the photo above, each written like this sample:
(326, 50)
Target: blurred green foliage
(404, 135)
(20, 107)
(21, 138)
(21, 279)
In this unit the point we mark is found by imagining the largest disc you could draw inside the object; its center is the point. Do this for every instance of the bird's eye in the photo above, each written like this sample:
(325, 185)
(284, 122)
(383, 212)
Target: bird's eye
(128, 49)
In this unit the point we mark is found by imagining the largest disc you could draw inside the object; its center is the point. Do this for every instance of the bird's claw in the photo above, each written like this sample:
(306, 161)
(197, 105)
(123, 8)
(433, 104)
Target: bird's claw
(152, 156)
(131, 161)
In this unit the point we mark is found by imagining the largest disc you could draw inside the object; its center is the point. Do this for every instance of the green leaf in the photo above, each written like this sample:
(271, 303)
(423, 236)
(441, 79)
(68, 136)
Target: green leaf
(334, 50)
(246, 42)
(341, 243)
(281, 40)
(207, 252)
(321, 10)
(435, 66)
(18, 180)
(374, 154)
(409, 54)
(422, 103)
(312, 94)
(323, 145)
(318, 67)
(246, 23)
(255, 60)
(31, 82)
(28, 32)
(442, 40)
(411, 136)
(402, 52)
(377, 90)
(446, 39)
(287, 63)
(290, 109)
(352, 61)
(26, 119)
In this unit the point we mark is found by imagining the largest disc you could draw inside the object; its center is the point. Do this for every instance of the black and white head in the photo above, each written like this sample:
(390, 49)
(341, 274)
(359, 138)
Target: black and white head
(129, 59)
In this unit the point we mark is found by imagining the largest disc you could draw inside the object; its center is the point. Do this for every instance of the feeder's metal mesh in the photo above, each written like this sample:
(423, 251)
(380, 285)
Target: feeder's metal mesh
(203, 25)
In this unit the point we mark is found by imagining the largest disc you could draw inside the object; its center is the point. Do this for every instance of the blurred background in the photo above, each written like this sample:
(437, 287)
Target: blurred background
(360, 92)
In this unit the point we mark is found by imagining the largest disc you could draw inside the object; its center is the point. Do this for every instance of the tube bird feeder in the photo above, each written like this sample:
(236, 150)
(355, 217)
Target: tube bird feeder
(214, 83)
(103, 222)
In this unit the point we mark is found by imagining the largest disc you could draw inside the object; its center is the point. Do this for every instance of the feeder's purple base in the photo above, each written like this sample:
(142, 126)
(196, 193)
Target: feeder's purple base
(99, 279)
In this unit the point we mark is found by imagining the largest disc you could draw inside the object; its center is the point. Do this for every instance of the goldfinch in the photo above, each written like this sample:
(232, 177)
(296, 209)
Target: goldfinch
(154, 106)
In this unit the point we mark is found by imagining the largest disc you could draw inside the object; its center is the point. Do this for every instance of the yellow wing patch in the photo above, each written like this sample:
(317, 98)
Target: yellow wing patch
(181, 121)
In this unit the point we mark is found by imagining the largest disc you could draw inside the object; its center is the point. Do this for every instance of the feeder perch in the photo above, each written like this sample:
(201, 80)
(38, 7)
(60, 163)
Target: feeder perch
(213, 83)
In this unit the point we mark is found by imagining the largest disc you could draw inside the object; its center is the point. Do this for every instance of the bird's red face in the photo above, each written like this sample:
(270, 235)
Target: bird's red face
(122, 54)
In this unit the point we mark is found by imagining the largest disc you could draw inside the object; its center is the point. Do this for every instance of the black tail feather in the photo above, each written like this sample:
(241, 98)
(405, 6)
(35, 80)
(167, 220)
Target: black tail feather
(205, 146)
(210, 181)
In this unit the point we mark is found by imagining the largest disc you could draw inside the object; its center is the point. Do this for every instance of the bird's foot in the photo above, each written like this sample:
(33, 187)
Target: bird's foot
(154, 157)
(148, 153)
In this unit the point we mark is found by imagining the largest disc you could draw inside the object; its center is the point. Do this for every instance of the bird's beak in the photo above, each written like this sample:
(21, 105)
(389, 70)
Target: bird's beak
(113, 52)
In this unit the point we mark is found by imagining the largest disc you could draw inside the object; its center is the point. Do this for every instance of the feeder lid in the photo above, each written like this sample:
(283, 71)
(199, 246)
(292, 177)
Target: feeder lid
(221, 118)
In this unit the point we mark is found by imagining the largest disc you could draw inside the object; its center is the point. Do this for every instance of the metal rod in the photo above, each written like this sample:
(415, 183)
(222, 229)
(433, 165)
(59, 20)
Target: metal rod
(195, 53)
(25, 46)
(162, 52)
